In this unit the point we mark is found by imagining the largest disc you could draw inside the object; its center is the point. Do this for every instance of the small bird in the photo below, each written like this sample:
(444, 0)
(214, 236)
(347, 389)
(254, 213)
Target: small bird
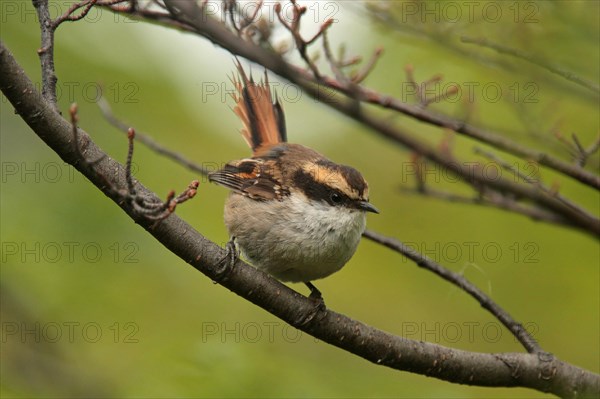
(292, 212)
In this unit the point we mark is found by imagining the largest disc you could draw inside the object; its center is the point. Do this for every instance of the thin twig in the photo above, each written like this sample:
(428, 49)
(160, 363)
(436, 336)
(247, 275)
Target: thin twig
(46, 52)
(229, 9)
(533, 181)
(450, 90)
(324, 26)
(248, 20)
(68, 15)
(87, 6)
(294, 29)
(526, 56)
(441, 35)
(144, 205)
(128, 163)
(491, 199)
(335, 66)
(76, 145)
(148, 141)
(528, 342)
(582, 154)
(361, 75)
(484, 196)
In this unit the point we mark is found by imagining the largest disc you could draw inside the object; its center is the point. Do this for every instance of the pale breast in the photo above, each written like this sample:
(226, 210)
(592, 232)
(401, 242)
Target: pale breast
(290, 239)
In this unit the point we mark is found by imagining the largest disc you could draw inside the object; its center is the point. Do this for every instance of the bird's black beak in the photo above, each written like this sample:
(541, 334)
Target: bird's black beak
(367, 207)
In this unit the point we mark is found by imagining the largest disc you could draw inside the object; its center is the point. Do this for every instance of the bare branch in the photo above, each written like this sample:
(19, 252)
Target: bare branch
(46, 52)
(367, 68)
(48, 27)
(68, 15)
(491, 199)
(483, 196)
(534, 182)
(421, 89)
(146, 205)
(335, 65)
(248, 20)
(76, 140)
(294, 29)
(582, 154)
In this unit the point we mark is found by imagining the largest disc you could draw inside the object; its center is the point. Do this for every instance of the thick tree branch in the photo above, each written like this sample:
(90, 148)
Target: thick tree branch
(541, 371)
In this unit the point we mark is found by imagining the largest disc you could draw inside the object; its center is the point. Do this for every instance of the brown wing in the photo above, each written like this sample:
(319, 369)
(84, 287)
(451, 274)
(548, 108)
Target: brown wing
(263, 119)
(255, 178)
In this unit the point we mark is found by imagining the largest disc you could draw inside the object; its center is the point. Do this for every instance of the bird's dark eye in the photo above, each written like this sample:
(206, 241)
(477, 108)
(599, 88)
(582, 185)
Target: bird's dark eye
(336, 198)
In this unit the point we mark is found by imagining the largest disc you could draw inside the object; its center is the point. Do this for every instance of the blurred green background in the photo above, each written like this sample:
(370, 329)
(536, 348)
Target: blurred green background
(92, 306)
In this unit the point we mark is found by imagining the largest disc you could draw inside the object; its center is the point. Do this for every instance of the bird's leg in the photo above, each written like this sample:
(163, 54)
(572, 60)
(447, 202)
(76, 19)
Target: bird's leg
(228, 261)
(315, 297)
(315, 294)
